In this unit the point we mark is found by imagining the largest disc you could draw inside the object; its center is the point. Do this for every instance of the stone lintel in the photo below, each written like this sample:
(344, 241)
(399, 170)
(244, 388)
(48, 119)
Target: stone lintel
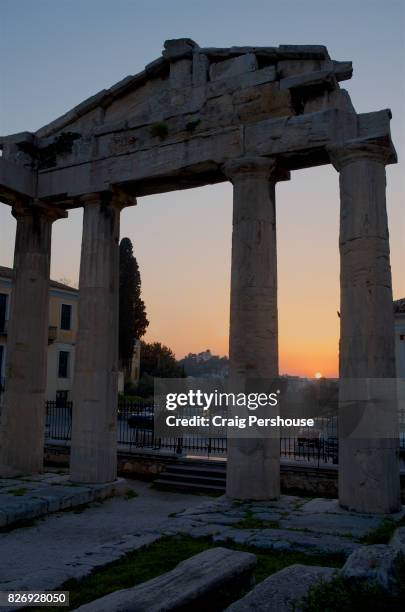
(255, 166)
(378, 149)
(298, 142)
(16, 181)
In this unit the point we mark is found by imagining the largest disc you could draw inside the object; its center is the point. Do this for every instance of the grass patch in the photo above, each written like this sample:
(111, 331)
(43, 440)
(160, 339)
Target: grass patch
(131, 494)
(340, 595)
(383, 532)
(163, 555)
(18, 492)
(251, 522)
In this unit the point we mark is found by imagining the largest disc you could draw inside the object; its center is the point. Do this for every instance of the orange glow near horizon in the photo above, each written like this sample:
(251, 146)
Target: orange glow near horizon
(189, 306)
(182, 241)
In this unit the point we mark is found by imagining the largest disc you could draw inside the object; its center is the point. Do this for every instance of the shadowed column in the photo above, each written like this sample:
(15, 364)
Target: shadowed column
(95, 393)
(253, 470)
(23, 414)
(368, 465)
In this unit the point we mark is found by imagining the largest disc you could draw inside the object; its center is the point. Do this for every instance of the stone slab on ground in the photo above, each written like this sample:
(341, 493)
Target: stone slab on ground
(284, 539)
(335, 524)
(375, 563)
(398, 539)
(282, 591)
(191, 581)
(24, 499)
(290, 523)
(331, 506)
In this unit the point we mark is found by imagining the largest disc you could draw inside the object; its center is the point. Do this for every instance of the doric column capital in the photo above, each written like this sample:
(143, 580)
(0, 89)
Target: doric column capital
(379, 150)
(252, 167)
(37, 210)
(115, 197)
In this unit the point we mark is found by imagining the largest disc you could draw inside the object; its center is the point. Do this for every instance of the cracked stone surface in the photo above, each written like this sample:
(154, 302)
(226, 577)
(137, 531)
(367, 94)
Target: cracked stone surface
(296, 524)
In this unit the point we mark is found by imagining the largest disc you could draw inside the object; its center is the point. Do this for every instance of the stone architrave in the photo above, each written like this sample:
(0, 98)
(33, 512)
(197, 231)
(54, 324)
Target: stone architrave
(253, 469)
(95, 393)
(22, 426)
(368, 467)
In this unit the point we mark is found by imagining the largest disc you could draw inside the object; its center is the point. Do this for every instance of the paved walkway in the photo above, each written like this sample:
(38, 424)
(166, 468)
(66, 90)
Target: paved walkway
(70, 544)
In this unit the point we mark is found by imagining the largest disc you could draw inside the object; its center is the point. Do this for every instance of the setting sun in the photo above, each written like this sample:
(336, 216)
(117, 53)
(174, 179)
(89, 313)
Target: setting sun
(318, 375)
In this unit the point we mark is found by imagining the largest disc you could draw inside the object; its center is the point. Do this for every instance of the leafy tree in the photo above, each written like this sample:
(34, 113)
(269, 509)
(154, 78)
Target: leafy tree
(158, 360)
(132, 314)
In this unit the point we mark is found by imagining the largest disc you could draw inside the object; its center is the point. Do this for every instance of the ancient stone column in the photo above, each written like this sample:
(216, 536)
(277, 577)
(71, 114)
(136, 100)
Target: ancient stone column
(253, 470)
(22, 424)
(95, 393)
(368, 465)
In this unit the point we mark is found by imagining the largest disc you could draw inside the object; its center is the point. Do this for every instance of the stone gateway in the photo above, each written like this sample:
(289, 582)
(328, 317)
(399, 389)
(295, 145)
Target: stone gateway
(195, 116)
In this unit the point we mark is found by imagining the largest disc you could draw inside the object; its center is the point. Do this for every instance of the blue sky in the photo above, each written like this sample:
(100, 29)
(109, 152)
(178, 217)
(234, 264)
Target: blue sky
(55, 53)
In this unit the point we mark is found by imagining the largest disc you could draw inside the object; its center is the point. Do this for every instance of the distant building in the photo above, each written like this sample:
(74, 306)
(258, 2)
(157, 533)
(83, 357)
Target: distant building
(61, 335)
(136, 362)
(134, 371)
(399, 314)
(200, 357)
(204, 356)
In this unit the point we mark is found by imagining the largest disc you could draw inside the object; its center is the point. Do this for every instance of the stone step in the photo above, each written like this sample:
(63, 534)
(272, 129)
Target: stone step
(192, 584)
(195, 469)
(168, 477)
(192, 476)
(190, 485)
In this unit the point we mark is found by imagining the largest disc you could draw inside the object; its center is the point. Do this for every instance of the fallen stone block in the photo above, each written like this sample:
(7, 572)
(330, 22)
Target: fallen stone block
(282, 591)
(375, 563)
(398, 539)
(194, 580)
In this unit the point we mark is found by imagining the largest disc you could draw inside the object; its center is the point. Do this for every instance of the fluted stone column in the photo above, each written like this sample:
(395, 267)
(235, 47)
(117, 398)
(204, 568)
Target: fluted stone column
(253, 470)
(368, 466)
(95, 393)
(22, 424)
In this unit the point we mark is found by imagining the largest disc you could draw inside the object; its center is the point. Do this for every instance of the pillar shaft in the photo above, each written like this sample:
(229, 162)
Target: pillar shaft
(23, 414)
(95, 394)
(368, 467)
(253, 464)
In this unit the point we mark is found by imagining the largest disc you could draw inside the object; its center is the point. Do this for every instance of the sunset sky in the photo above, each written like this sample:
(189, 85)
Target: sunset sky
(53, 55)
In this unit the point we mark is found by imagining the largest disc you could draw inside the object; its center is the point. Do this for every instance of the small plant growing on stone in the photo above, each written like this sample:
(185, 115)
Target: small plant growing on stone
(131, 494)
(159, 130)
(18, 492)
(191, 125)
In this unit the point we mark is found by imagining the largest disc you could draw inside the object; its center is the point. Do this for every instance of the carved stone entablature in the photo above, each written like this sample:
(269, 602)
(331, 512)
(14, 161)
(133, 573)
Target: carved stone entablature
(176, 123)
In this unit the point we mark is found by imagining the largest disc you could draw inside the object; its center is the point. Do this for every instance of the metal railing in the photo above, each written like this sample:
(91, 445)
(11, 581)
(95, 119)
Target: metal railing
(58, 420)
(135, 430)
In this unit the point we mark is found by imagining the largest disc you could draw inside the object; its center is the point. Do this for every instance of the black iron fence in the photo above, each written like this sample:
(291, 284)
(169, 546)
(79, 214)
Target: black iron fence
(58, 420)
(135, 430)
